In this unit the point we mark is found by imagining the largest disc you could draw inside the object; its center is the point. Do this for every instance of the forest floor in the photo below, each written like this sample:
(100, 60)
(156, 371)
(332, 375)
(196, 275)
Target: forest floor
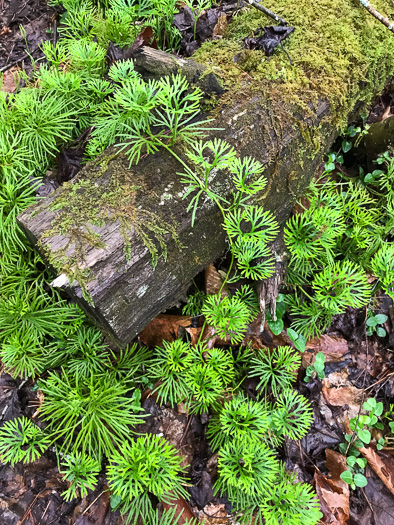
(357, 368)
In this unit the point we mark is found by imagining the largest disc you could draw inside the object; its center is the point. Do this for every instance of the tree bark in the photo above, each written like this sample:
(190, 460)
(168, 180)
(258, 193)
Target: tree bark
(99, 231)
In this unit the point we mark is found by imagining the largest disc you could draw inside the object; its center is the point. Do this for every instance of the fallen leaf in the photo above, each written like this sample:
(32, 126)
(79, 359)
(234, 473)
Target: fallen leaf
(334, 501)
(163, 327)
(213, 515)
(213, 280)
(339, 396)
(183, 510)
(382, 463)
(220, 27)
(8, 82)
(267, 38)
(333, 348)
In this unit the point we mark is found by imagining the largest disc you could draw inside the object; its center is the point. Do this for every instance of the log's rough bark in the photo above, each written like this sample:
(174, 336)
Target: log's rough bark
(145, 208)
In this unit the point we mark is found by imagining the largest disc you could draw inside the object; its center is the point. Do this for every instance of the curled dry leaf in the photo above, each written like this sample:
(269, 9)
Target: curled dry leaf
(183, 510)
(333, 348)
(213, 280)
(163, 327)
(382, 463)
(213, 515)
(339, 396)
(332, 491)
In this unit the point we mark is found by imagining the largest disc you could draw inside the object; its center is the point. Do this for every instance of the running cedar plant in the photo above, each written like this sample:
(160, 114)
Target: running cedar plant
(94, 414)
(342, 234)
(81, 472)
(277, 367)
(22, 440)
(239, 420)
(146, 466)
(246, 473)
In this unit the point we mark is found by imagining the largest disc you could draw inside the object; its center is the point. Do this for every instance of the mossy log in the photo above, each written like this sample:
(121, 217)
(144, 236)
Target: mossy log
(101, 231)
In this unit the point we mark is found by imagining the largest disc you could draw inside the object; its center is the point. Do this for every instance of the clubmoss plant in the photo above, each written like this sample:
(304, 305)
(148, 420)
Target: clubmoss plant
(94, 414)
(146, 466)
(81, 472)
(22, 440)
(277, 368)
(246, 473)
(292, 415)
(239, 420)
(171, 364)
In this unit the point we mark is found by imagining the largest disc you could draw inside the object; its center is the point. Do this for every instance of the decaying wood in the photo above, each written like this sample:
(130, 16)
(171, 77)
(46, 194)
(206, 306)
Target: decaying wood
(153, 63)
(127, 292)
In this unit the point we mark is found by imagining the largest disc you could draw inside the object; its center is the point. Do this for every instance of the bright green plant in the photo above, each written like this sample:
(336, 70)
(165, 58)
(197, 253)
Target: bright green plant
(277, 325)
(22, 440)
(316, 369)
(239, 420)
(23, 355)
(291, 416)
(83, 352)
(31, 311)
(382, 266)
(290, 503)
(231, 315)
(146, 466)
(205, 388)
(81, 472)
(171, 364)
(246, 473)
(277, 367)
(354, 474)
(373, 322)
(93, 414)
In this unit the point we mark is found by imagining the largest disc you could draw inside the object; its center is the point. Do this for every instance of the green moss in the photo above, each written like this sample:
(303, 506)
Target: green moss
(337, 48)
(87, 204)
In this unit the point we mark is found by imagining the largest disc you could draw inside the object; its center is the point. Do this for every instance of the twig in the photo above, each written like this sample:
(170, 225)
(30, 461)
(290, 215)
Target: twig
(94, 501)
(380, 380)
(267, 12)
(385, 21)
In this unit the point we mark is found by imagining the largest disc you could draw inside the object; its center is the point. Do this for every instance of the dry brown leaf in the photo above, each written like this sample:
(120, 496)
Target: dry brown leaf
(163, 327)
(213, 280)
(339, 396)
(220, 26)
(213, 515)
(182, 509)
(332, 347)
(382, 463)
(8, 83)
(332, 491)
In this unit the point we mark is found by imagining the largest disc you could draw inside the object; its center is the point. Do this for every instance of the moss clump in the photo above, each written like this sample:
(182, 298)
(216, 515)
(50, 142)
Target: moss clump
(337, 46)
(87, 204)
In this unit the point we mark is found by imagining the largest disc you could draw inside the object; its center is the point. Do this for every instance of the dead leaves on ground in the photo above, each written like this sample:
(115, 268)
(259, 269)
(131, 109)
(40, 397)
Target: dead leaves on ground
(332, 491)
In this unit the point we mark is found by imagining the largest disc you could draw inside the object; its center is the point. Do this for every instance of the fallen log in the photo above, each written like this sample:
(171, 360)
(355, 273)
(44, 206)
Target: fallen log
(119, 238)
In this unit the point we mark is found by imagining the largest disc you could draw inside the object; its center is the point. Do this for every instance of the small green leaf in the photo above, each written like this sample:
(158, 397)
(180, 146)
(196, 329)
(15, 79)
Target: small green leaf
(329, 166)
(369, 331)
(362, 462)
(364, 435)
(300, 343)
(379, 409)
(381, 332)
(369, 404)
(381, 318)
(359, 443)
(371, 321)
(115, 501)
(276, 326)
(347, 477)
(360, 480)
(346, 146)
(320, 358)
(342, 448)
(380, 426)
(368, 178)
(292, 334)
(351, 461)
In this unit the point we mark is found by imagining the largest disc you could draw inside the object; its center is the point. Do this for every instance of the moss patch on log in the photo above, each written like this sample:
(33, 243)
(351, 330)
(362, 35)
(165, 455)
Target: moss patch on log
(88, 203)
(339, 51)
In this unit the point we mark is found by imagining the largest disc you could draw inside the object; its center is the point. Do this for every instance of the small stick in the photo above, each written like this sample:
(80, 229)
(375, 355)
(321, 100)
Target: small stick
(267, 12)
(385, 21)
